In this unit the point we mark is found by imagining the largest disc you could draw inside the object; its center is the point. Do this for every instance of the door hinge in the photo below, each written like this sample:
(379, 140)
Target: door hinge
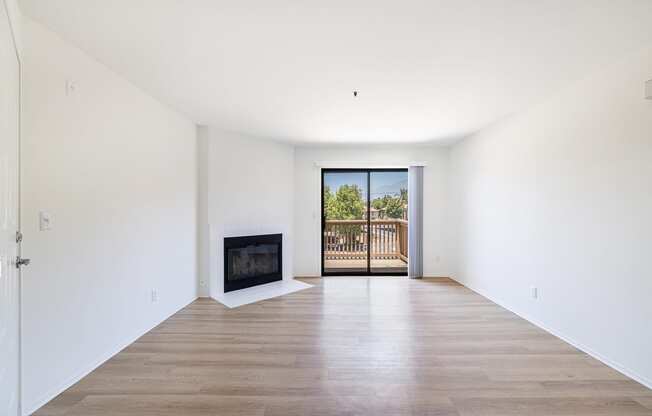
(19, 237)
(21, 262)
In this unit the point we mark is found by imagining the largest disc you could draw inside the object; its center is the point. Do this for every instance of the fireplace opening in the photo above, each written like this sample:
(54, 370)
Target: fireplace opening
(252, 260)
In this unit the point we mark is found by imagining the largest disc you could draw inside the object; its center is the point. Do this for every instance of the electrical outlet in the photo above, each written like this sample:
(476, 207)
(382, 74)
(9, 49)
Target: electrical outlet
(534, 292)
(154, 296)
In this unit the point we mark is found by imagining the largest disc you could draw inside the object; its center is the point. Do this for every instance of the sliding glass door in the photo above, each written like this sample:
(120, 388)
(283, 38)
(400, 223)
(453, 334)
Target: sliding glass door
(345, 247)
(388, 222)
(364, 221)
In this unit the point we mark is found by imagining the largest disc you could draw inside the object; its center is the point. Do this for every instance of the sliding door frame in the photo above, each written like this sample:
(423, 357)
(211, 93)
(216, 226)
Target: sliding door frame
(369, 271)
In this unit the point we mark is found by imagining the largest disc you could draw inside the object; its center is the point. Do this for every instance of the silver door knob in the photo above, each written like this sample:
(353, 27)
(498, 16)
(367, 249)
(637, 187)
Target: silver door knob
(21, 262)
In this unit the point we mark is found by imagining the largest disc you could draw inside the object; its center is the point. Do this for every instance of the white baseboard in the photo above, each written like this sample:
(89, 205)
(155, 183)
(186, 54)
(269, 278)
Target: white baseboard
(29, 408)
(600, 357)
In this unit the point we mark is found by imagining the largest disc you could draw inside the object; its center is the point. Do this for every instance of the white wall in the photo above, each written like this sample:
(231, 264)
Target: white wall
(117, 172)
(15, 17)
(559, 197)
(250, 191)
(307, 188)
(203, 232)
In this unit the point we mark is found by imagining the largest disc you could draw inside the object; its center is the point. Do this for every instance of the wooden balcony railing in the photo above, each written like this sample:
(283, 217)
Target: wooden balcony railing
(347, 239)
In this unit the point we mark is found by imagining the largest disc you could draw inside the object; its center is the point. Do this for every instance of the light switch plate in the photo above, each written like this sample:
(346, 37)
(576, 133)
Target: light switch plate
(45, 221)
(648, 90)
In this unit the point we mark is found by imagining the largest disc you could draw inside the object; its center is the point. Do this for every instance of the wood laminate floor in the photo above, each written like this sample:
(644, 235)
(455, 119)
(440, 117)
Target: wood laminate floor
(353, 346)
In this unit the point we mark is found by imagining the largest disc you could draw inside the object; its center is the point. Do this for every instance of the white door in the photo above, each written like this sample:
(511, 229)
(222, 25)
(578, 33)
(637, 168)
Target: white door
(9, 274)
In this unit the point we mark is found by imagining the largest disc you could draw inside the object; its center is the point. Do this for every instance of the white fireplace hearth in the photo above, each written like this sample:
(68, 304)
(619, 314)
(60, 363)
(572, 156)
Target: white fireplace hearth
(259, 293)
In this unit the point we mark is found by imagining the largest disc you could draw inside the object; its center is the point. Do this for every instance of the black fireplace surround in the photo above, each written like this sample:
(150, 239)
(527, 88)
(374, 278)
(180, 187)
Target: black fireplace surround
(252, 260)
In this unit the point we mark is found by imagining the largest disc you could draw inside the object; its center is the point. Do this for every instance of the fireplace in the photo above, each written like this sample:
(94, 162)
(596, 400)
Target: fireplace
(252, 260)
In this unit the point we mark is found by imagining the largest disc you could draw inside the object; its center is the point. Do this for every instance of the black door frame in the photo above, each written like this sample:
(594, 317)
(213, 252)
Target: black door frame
(368, 272)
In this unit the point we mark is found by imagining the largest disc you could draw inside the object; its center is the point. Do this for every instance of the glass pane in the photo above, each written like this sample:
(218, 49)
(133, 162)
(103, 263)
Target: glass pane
(252, 261)
(389, 222)
(344, 200)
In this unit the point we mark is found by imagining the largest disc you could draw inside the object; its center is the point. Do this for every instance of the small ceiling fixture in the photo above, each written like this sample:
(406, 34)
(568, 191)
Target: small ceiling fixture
(355, 93)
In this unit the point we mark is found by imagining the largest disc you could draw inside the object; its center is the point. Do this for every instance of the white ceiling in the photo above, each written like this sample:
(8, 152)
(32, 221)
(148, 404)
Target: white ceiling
(431, 70)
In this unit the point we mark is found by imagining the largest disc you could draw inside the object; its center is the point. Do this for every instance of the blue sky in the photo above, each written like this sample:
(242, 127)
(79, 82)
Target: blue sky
(381, 182)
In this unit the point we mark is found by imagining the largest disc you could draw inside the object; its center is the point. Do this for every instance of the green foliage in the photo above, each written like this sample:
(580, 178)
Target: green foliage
(379, 203)
(392, 206)
(346, 204)
(404, 196)
(328, 200)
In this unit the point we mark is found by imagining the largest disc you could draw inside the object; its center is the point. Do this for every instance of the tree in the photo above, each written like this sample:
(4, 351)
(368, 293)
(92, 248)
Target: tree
(394, 208)
(391, 206)
(347, 204)
(404, 195)
(380, 203)
(328, 201)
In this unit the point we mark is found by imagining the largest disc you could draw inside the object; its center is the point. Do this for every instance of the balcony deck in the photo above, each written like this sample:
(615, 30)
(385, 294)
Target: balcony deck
(346, 245)
(356, 265)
